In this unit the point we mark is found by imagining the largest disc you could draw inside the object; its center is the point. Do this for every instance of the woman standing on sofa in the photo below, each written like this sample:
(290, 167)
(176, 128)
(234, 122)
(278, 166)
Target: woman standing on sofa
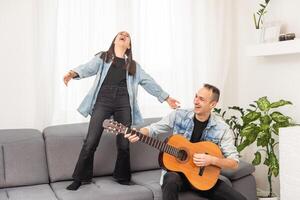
(114, 93)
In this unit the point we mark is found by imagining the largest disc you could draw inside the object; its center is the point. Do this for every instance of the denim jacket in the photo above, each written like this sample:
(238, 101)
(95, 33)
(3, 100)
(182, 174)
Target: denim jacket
(97, 67)
(181, 121)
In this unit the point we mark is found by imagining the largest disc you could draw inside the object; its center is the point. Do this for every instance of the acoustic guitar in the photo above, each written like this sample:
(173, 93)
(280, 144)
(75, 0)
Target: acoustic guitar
(176, 154)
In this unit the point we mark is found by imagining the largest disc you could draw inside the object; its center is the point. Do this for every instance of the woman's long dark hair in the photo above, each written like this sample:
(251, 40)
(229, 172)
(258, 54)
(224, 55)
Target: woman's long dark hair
(108, 56)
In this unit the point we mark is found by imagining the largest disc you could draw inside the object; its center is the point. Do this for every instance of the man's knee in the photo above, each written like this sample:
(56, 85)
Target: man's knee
(172, 181)
(172, 177)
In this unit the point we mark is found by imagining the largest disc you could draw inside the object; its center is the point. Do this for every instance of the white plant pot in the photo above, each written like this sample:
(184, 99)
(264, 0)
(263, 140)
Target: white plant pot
(258, 35)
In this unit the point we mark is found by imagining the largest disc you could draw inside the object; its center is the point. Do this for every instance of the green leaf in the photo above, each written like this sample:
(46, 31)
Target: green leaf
(279, 118)
(252, 105)
(280, 103)
(267, 162)
(276, 126)
(263, 104)
(265, 120)
(255, 23)
(243, 145)
(217, 110)
(267, 1)
(223, 114)
(249, 130)
(263, 138)
(257, 159)
(239, 109)
(262, 5)
(273, 164)
(251, 116)
(275, 171)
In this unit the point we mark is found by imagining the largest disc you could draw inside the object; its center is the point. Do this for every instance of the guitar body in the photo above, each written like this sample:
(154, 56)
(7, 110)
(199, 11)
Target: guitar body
(203, 178)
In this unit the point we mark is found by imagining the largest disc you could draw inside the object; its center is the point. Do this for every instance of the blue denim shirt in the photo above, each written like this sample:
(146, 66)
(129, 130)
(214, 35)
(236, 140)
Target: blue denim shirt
(100, 69)
(181, 122)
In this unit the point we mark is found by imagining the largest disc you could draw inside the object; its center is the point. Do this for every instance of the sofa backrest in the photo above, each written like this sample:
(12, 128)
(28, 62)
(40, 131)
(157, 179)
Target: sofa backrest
(22, 158)
(64, 142)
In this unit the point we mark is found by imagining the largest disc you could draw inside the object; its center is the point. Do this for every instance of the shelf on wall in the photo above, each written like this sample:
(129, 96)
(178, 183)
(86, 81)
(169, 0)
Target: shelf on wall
(274, 48)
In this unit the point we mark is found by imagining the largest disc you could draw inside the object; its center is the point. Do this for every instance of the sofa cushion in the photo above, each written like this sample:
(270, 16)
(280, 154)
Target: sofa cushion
(70, 138)
(37, 192)
(22, 158)
(139, 151)
(244, 169)
(104, 188)
(3, 195)
(150, 179)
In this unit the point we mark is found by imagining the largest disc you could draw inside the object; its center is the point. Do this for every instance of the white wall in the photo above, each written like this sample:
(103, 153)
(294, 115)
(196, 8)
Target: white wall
(276, 76)
(17, 39)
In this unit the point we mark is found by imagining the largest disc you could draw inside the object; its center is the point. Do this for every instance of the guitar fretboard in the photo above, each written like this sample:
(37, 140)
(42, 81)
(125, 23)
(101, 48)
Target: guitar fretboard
(162, 146)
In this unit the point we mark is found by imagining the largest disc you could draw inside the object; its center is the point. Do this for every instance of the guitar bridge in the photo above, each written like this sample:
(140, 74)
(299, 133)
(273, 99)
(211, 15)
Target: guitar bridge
(201, 170)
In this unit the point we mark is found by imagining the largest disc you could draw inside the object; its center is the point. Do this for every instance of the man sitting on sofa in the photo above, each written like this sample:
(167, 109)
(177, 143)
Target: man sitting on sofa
(199, 124)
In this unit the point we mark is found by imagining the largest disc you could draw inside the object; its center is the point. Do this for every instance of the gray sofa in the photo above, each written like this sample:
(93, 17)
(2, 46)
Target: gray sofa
(38, 166)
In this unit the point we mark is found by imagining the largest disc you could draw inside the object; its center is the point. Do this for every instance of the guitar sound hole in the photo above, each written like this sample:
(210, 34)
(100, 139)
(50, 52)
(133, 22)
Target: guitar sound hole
(182, 155)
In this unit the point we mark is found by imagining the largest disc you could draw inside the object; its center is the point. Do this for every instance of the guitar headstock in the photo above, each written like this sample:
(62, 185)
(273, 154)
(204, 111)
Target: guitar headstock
(112, 126)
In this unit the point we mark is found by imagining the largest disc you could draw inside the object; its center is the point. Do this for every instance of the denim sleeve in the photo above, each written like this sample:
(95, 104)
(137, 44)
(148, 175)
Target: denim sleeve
(149, 84)
(227, 145)
(165, 125)
(88, 69)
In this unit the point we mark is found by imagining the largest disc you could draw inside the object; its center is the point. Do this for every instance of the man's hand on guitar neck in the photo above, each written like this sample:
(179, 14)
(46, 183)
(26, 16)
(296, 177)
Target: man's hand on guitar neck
(134, 138)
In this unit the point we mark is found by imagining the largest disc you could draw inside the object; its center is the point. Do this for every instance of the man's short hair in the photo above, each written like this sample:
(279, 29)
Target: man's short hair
(215, 91)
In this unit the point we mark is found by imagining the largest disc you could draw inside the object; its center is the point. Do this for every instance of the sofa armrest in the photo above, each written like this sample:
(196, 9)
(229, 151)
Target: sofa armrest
(244, 169)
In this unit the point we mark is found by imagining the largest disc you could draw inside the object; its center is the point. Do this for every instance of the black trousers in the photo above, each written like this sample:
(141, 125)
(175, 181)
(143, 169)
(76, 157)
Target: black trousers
(175, 182)
(111, 101)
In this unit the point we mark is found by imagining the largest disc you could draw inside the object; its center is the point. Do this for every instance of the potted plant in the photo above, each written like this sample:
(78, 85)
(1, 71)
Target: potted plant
(259, 123)
(258, 19)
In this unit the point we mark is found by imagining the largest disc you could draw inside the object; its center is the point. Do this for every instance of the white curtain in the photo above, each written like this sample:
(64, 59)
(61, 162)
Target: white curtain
(180, 43)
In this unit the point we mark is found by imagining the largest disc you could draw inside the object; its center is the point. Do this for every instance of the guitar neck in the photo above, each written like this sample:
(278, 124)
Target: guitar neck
(161, 146)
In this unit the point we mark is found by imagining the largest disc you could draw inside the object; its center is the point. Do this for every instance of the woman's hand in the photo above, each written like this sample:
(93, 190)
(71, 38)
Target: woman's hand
(173, 103)
(68, 76)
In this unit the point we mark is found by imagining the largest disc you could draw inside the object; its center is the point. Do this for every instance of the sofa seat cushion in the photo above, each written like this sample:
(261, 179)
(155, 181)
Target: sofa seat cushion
(104, 188)
(22, 158)
(3, 194)
(150, 179)
(244, 169)
(36, 192)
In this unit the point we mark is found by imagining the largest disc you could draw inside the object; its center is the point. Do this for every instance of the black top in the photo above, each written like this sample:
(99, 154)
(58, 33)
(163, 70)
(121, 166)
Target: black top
(116, 75)
(198, 129)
